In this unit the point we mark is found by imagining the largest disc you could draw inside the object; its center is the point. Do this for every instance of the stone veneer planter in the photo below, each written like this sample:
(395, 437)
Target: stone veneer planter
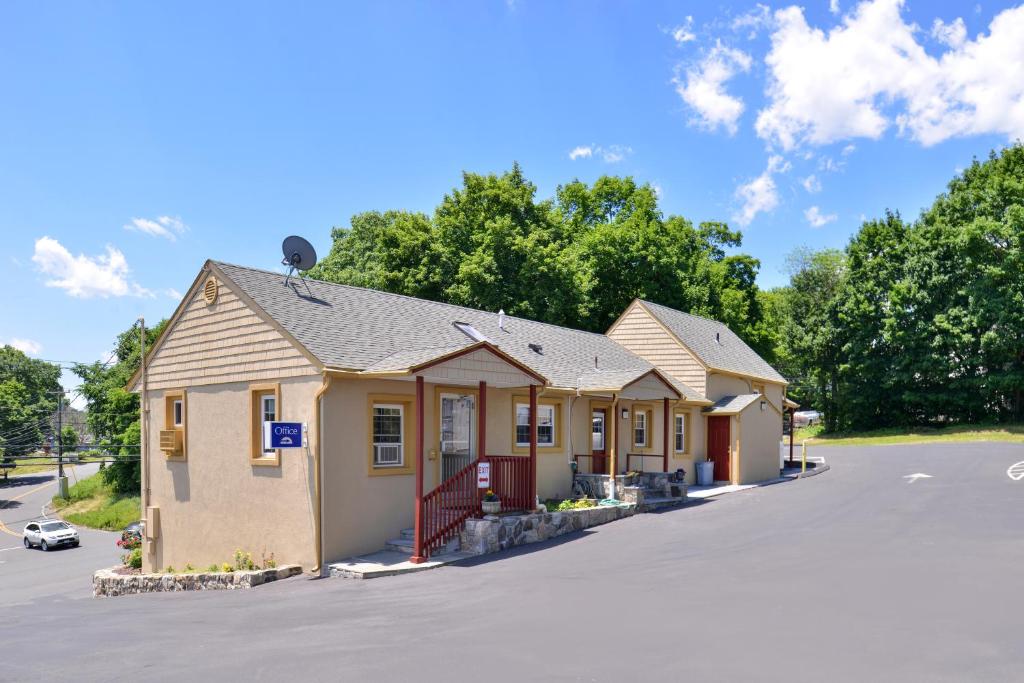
(491, 534)
(109, 583)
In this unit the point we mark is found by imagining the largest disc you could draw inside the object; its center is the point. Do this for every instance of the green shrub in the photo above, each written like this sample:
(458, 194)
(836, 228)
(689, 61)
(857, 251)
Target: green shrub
(189, 568)
(243, 561)
(227, 568)
(574, 504)
(133, 559)
(213, 568)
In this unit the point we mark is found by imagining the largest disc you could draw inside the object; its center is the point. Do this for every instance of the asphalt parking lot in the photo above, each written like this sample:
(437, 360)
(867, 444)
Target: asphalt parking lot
(860, 573)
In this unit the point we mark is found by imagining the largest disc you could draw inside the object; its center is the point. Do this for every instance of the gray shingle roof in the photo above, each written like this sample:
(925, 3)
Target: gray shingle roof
(730, 405)
(715, 344)
(354, 328)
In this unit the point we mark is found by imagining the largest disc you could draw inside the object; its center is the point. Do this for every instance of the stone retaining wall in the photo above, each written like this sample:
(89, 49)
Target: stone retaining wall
(108, 583)
(493, 533)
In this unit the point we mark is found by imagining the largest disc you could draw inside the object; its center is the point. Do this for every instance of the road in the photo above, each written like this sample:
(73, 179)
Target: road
(856, 574)
(27, 575)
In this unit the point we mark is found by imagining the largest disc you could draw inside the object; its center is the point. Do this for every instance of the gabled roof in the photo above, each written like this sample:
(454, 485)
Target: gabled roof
(352, 328)
(714, 344)
(730, 405)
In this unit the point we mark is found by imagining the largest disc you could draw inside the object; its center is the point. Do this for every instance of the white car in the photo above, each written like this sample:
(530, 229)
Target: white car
(50, 533)
(806, 418)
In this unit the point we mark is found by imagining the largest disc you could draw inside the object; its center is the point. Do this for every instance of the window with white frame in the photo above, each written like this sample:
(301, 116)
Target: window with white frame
(680, 433)
(268, 413)
(177, 413)
(545, 425)
(640, 428)
(387, 435)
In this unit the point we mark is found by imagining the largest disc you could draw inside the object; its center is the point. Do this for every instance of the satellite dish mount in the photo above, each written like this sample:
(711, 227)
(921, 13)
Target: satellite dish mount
(299, 256)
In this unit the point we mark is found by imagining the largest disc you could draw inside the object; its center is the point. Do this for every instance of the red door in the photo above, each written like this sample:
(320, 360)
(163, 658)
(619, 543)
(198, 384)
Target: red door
(718, 445)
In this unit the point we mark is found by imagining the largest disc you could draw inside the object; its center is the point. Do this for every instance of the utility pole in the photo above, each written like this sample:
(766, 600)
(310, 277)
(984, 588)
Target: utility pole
(144, 434)
(60, 436)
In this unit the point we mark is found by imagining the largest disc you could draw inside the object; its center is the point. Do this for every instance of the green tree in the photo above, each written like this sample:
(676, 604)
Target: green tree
(28, 397)
(68, 438)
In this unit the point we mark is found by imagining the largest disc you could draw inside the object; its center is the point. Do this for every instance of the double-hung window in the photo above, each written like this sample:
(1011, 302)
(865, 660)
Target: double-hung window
(387, 435)
(545, 425)
(640, 429)
(680, 433)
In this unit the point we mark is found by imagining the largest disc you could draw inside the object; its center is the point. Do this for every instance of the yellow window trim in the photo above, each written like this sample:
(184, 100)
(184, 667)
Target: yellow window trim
(169, 398)
(256, 455)
(408, 403)
(687, 421)
(636, 409)
(554, 449)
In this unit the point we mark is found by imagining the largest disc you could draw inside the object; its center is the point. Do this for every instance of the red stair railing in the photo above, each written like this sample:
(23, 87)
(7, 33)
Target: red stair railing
(510, 480)
(447, 507)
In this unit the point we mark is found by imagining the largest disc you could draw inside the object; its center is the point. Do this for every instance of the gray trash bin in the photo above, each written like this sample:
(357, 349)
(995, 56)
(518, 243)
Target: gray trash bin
(705, 473)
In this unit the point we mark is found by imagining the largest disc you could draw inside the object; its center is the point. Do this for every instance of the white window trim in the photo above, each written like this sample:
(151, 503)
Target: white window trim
(680, 420)
(401, 440)
(639, 414)
(263, 420)
(554, 425)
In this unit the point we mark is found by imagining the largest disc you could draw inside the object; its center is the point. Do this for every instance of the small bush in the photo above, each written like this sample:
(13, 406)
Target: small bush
(133, 559)
(227, 568)
(213, 568)
(189, 568)
(243, 561)
(169, 569)
(574, 505)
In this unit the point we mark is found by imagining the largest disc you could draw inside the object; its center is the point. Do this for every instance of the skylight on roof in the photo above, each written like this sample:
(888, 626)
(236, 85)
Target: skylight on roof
(471, 332)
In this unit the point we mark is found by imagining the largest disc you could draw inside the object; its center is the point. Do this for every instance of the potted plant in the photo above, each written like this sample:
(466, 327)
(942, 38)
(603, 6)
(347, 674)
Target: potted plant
(491, 504)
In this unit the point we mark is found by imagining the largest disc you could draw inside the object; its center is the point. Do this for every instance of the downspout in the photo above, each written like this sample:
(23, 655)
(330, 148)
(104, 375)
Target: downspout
(318, 504)
(613, 452)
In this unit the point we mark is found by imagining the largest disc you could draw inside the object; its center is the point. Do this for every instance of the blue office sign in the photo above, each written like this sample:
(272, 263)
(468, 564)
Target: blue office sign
(282, 434)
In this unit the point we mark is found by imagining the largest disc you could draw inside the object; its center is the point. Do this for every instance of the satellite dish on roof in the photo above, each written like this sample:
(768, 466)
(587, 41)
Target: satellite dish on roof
(298, 253)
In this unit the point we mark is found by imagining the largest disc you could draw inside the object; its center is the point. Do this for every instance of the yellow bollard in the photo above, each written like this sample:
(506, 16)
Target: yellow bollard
(803, 457)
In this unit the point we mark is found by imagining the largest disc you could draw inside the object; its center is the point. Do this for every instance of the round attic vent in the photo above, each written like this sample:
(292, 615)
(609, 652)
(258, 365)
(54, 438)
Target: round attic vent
(210, 290)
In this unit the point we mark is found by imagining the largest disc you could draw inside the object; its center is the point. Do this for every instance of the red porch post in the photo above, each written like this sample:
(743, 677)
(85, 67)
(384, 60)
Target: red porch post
(664, 457)
(481, 424)
(419, 532)
(533, 447)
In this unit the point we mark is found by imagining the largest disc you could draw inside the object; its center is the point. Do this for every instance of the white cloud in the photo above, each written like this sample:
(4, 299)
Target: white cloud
(703, 87)
(581, 152)
(684, 32)
(848, 150)
(85, 276)
(953, 34)
(168, 227)
(870, 71)
(833, 6)
(816, 218)
(612, 154)
(760, 194)
(753, 21)
(659, 191)
(26, 346)
(811, 184)
(173, 293)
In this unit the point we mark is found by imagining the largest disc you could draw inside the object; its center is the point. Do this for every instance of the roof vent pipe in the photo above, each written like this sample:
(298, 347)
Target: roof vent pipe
(718, 337)
(501, 320)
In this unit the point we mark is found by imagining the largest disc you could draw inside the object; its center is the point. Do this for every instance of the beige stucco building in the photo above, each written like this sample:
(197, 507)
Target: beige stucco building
(398, 396)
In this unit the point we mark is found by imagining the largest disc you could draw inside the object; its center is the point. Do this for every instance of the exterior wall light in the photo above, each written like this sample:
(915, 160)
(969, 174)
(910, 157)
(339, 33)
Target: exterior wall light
(763, 405)
(625, 413)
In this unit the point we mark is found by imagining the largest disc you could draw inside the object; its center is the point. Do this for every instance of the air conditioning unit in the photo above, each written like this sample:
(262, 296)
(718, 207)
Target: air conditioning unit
(170, 441)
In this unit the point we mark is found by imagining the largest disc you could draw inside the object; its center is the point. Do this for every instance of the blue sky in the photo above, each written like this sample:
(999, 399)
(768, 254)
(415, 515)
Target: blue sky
(139, 139)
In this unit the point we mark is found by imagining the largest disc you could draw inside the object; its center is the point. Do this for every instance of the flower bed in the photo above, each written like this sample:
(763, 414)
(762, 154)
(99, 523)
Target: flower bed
(124, 581)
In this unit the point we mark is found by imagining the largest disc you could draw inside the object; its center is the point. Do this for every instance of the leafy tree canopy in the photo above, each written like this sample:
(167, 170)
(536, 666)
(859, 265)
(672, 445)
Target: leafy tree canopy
(576, 259)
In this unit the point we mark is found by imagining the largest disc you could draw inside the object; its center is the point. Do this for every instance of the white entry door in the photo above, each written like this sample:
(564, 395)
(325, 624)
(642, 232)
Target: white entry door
(458, 436)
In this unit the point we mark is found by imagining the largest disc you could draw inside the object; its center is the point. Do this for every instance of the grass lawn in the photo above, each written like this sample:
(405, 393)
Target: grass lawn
(45, 464)
(92, 503)
(900, 435)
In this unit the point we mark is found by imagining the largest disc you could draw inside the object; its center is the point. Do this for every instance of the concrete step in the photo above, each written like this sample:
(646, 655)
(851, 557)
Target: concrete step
(400, 545)
(409, 533)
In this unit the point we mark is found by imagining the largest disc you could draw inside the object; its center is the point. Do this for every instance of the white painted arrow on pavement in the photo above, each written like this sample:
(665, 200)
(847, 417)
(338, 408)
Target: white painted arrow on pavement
(914, 477)
(1016, 472)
